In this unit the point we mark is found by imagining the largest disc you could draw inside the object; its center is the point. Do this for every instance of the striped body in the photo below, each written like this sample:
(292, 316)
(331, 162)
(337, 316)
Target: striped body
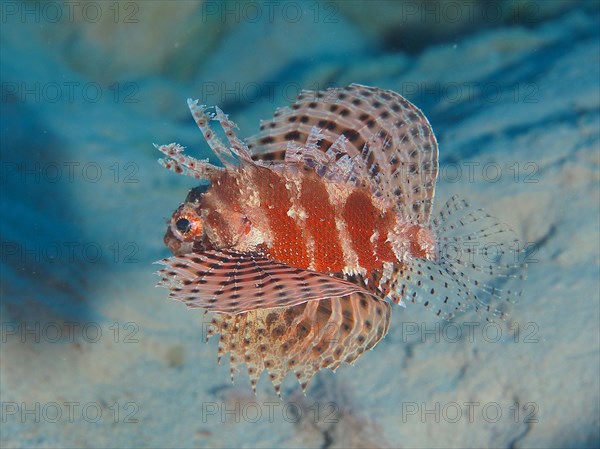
(293, 216)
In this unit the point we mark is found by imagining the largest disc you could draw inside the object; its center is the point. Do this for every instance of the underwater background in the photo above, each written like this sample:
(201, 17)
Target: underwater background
(93, 355)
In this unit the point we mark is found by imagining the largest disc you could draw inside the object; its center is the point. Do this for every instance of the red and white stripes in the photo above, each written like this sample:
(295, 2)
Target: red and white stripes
(300, 219)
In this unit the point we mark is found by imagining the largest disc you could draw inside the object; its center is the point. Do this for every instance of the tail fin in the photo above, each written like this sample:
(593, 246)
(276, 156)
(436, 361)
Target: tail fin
(478, 259)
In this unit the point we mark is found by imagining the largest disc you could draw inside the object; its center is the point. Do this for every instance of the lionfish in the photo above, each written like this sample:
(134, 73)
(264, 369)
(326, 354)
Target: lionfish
(313, 226)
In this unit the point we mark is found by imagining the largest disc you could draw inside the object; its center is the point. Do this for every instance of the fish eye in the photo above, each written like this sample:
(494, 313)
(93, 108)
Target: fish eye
(183, 225)
(186, 225)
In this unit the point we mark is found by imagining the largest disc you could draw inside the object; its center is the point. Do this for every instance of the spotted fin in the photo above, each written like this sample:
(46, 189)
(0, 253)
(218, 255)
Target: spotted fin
(304, 338)
(230, 155)
(183, 164)
(385, 134)
(478, 258)
(232, 282)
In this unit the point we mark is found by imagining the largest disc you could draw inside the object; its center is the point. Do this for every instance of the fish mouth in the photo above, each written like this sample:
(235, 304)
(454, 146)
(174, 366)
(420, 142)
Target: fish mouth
(175, 245)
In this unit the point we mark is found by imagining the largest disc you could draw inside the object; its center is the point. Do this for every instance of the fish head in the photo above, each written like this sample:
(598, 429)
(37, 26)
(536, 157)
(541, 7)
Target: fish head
(205, 222)
(185, 229)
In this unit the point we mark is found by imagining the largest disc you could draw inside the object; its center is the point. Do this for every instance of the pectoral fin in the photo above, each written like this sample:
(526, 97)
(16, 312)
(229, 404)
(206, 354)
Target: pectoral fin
(232, 282)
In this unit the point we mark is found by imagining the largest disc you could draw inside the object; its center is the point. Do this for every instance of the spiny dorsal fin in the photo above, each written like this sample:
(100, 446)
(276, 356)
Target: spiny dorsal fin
(391, 135)
(230, 156)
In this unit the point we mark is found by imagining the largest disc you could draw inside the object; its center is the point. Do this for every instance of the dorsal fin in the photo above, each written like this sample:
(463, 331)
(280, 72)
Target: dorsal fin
(230, 156)
(391, 136)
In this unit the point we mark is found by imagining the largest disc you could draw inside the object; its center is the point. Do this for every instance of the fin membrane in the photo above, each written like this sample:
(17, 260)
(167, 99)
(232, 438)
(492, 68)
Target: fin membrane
(478, 258)
(232, 282)
(392, 138)
(304, 338)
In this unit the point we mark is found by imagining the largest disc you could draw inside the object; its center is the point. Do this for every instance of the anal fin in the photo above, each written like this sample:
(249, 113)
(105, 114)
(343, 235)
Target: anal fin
(304, 338)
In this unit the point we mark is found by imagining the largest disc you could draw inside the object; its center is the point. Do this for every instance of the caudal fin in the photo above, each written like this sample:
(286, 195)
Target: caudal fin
(478, 263)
